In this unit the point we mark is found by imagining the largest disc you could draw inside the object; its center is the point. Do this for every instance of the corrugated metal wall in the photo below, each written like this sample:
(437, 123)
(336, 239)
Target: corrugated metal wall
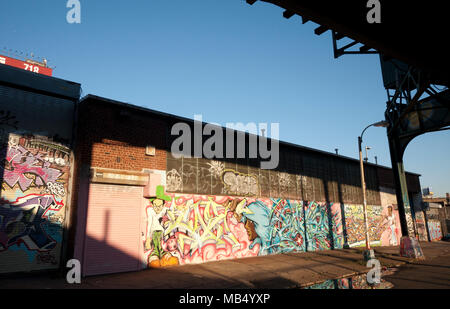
(35, 167)
(300, 175)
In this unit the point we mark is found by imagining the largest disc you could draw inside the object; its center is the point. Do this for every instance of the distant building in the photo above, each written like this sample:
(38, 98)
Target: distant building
(438, 216)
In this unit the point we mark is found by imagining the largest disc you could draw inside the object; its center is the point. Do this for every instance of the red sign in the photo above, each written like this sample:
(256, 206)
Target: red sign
(32, 67)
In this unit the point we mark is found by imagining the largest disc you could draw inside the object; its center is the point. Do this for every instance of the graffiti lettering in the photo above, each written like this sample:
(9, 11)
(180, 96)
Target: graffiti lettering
(46, 258)
(354, 217)
(25, 220)
(55, 188)
(24, 168)
(185, 229)
(434, 229)
(173, 180)
(241, 184)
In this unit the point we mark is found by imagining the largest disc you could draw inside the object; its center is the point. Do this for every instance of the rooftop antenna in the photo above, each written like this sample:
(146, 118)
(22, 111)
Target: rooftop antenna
(262, 132)
(367, 157)
(25, 56)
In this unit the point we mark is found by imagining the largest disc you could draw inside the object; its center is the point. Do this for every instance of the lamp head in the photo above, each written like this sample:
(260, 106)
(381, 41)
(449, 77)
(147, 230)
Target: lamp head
(382, 124)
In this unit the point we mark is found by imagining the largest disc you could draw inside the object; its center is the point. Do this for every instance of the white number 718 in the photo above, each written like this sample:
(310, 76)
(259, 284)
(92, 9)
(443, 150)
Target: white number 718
(31, 68)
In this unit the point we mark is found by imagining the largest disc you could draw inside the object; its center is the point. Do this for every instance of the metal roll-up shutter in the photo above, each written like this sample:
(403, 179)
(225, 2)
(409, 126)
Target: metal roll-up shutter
(113, 229)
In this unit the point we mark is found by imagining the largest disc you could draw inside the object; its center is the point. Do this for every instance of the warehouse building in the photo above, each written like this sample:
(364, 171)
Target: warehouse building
(139, 205)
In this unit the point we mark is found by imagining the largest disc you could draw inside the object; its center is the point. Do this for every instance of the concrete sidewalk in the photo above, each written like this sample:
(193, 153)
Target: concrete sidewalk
(292, 270)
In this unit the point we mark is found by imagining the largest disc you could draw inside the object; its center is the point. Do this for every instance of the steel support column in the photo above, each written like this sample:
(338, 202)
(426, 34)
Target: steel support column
(401, 189)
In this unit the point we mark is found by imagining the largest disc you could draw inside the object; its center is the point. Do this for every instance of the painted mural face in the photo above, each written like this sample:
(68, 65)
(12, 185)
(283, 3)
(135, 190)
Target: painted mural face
(158, 205)
(249, 225)
(172, 244)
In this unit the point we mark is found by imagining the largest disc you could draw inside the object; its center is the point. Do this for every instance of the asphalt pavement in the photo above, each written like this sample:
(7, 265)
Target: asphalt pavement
(289, 270)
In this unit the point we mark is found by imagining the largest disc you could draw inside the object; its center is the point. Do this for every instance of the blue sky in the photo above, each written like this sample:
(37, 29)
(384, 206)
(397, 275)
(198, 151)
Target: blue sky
(225, 60)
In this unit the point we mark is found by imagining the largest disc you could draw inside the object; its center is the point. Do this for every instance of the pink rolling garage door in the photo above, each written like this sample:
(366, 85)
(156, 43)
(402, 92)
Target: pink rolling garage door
(113, 229)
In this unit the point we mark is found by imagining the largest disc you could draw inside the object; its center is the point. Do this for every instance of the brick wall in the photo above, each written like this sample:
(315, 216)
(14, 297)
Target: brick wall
(111, 136)
(114, 136)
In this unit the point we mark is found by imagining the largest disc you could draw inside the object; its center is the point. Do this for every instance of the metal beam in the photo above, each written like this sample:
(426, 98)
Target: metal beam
(321, 29)
(344, 17)
(365, 48)
(412, 102)
(401, 189)
(339, 36)
(342, 49)
(288, 14)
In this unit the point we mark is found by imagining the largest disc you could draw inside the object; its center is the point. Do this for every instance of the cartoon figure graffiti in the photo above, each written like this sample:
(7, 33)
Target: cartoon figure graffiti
(184, 229)
(171, 246)
(157, 218)
(195, 229)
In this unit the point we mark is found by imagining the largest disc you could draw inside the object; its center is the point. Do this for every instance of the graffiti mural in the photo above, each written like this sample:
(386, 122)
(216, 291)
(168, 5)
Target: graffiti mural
(194, 229)
(27, 169)
(34, 176)
(434, 229)
(383, 222)
(286, 226)
(421, 226)
(324, 226)
(26, 220)
(174, 181)
(354, 218)
(240, 184)
(188, 175)
(183, 229)
(390, 227)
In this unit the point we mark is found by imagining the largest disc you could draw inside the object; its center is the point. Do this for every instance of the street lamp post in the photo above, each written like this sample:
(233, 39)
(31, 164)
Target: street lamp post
(368, 253)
